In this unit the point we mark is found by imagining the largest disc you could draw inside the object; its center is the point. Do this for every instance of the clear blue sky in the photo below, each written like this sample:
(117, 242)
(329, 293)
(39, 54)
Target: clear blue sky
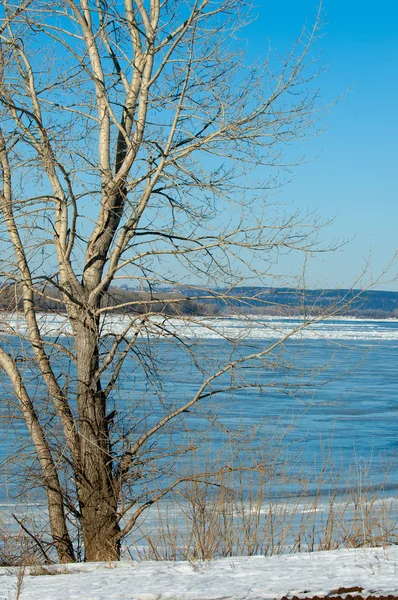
(355, 175)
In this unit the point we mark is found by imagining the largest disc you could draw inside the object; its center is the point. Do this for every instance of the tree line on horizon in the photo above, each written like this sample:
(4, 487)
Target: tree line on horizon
(187, 301)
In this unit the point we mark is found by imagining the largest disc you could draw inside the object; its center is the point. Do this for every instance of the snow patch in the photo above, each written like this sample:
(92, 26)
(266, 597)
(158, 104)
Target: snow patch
(239, 578)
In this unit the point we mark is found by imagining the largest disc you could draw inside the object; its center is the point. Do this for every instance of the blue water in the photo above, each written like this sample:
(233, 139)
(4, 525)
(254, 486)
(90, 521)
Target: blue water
(332, 393)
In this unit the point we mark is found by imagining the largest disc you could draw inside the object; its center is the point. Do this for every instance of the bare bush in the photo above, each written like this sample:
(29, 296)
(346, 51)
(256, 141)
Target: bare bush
(236, 519)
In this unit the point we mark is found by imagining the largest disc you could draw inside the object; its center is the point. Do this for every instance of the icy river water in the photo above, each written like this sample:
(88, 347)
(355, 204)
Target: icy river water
(337, 381)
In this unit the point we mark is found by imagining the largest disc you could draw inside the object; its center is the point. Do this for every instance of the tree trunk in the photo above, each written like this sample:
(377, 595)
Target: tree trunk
(97, 489)
(100, 526)
(58, 526)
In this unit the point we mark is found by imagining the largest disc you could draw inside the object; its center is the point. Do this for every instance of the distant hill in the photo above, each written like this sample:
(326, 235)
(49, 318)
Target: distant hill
(248, 300)
(349, 302)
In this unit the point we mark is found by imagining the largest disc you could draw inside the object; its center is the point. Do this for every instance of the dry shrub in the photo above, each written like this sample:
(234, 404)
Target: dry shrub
(39, 570)
(22, 547)
(16, 549)
(234, 516)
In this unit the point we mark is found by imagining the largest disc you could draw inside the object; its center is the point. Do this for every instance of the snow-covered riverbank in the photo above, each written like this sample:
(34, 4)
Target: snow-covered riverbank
(375, 570)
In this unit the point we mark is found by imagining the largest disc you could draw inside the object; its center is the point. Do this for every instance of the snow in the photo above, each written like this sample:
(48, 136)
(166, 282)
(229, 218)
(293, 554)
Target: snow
(244, 578)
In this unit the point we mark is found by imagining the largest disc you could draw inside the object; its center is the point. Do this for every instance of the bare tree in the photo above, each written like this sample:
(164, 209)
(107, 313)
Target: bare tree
(136, 144)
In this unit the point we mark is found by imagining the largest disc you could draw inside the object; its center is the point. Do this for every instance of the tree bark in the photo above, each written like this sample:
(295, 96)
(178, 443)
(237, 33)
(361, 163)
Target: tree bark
(100, 526)
(97, 489)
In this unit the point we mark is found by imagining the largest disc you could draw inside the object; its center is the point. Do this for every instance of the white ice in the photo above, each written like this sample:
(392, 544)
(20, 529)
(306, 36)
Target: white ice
(260, 328)
(244, 578)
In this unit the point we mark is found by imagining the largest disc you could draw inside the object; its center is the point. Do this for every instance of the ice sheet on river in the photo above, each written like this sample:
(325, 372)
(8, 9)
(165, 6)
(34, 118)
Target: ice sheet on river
(266, 328)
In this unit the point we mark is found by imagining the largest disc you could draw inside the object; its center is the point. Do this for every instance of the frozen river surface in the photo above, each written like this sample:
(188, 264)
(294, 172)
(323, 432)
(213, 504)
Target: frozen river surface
(337, 380)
